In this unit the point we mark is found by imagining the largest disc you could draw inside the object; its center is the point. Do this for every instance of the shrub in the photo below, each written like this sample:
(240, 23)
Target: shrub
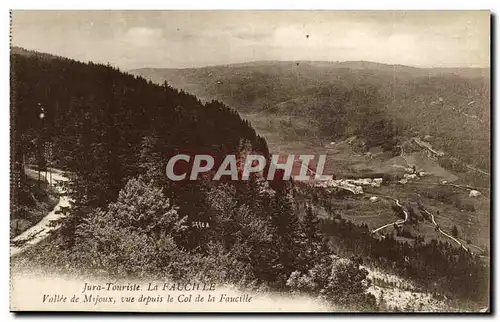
(341, 281)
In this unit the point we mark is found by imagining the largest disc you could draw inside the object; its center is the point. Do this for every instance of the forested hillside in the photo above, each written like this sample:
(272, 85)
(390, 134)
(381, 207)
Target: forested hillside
(105, 127)
(112, 133)
(378, 102)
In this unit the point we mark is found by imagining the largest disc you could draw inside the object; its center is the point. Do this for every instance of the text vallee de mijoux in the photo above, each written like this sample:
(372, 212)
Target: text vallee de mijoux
(241, 169)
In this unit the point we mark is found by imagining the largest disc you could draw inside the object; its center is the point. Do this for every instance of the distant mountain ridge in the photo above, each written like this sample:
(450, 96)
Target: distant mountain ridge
(354, 64)
(360, 64)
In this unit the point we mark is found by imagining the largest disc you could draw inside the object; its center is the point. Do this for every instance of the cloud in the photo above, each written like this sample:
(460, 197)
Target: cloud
(143, 36)
(132, 39)
(256, 34)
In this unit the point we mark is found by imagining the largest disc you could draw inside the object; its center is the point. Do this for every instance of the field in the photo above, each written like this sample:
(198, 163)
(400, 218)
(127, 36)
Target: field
(450, 205)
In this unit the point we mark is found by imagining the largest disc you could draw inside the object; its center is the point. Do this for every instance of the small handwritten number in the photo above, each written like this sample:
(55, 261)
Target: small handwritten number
(200, 224)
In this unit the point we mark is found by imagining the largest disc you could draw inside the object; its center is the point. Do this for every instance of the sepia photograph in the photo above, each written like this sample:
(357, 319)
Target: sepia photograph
(250, 161)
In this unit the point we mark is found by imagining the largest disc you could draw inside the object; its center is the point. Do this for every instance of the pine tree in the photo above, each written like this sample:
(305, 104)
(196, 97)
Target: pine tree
(287, 235)
(150, 159)
(310, 225)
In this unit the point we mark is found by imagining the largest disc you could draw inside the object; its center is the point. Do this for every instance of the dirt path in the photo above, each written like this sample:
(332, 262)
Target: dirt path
(445, 234)
(463, 187)
(41, 230)
(402, 221)
(397, 222)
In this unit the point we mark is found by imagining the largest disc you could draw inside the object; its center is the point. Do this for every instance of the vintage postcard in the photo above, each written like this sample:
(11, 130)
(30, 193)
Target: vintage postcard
(250, 161)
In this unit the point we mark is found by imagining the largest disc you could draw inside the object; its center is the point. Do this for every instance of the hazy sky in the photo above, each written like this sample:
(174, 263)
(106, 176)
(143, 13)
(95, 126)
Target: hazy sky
(133, 39)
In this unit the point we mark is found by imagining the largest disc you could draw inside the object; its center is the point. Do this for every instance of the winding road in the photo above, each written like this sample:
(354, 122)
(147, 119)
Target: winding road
(41, 230)
(397, 222)
(442, 232)
(401, 221)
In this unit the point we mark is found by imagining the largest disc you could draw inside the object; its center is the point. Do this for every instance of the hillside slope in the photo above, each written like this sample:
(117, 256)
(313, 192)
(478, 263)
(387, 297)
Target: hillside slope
(331, 100)
(112, 133)
(105, 127)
